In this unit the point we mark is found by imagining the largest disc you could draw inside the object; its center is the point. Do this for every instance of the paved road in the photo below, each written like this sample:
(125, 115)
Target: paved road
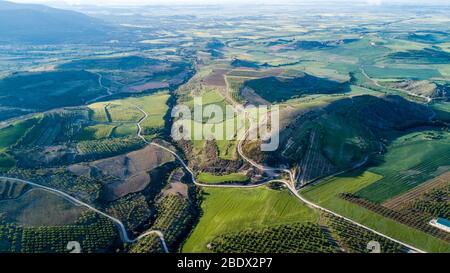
(289, 184)
(122, 230)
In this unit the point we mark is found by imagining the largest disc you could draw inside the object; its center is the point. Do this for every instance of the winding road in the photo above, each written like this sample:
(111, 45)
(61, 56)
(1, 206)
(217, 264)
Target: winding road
(290, 184)
(122, 230)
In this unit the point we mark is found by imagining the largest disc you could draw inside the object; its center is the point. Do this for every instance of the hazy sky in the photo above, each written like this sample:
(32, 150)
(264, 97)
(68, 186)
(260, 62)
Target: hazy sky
(149, 2)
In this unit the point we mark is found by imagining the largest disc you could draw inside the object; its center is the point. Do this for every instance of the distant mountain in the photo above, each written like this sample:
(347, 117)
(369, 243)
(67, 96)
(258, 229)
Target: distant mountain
(31, 23)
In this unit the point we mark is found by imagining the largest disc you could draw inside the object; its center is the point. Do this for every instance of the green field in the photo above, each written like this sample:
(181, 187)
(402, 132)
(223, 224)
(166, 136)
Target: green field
(118, 118)
(125, 130)
(401, 72)
(326, 195)
(11, 134)
(154, 105)
(411, 160)
(99, 131)
(214, 179)
(232, 210)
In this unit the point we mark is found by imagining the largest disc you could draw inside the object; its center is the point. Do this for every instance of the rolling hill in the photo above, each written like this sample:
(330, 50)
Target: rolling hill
(27, 23)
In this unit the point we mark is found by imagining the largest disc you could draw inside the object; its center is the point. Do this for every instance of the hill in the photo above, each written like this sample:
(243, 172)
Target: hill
(28, 23)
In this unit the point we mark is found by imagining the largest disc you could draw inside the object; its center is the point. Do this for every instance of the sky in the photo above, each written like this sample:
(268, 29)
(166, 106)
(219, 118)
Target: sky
(159, 2)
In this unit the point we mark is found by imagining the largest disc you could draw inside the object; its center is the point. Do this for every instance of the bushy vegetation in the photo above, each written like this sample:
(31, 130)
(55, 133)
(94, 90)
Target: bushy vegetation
(11, 134)
(275, 89)
(148, 244)
(120, 63)
(174, 218)
(7, 162)
(293, 238)
(82, 187)
(435, 203)
(233, 210)
(10, 237)
(227, 178)
(355, 239)
(414, 220)
(91, 150)
(410, 161)
(12, 190)
(133, 210)
(54, 128)
(47, 90)
(94, 233)
(327, 193)
(425, 56)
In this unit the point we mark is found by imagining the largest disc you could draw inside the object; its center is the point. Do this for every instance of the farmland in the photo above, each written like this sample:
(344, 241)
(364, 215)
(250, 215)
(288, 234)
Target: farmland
(417, 157)
(326, 194)
(232, 210)
(364, 115)
(292, 238)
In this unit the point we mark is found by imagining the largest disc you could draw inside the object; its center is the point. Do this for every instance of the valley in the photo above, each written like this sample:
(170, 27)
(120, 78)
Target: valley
(88, 153)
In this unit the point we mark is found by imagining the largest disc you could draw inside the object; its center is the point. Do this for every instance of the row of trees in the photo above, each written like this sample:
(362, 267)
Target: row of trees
(414, 220)
(292, 238)
(355, 239)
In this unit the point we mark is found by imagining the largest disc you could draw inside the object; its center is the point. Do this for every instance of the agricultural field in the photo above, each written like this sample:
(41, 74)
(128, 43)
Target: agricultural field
(409, 162)
(294, 238)
(233, 210)
(327, 193)
(364, 115)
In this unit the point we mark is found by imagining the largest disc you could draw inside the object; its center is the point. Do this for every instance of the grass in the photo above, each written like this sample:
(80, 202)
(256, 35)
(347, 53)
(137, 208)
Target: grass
(226, 143)
(326, 195)
(214, 179)
(344, 141)
(411, 160)
(98, 112)
(6, 162)
(401, 72)
(94, 132)
(155, 106)
(125, 130)
(232, 210)
(123, 113)
(11, 134)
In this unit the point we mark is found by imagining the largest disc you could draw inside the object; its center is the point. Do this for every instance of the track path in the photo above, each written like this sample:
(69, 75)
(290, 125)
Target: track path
(290, 184)
(122, 230)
